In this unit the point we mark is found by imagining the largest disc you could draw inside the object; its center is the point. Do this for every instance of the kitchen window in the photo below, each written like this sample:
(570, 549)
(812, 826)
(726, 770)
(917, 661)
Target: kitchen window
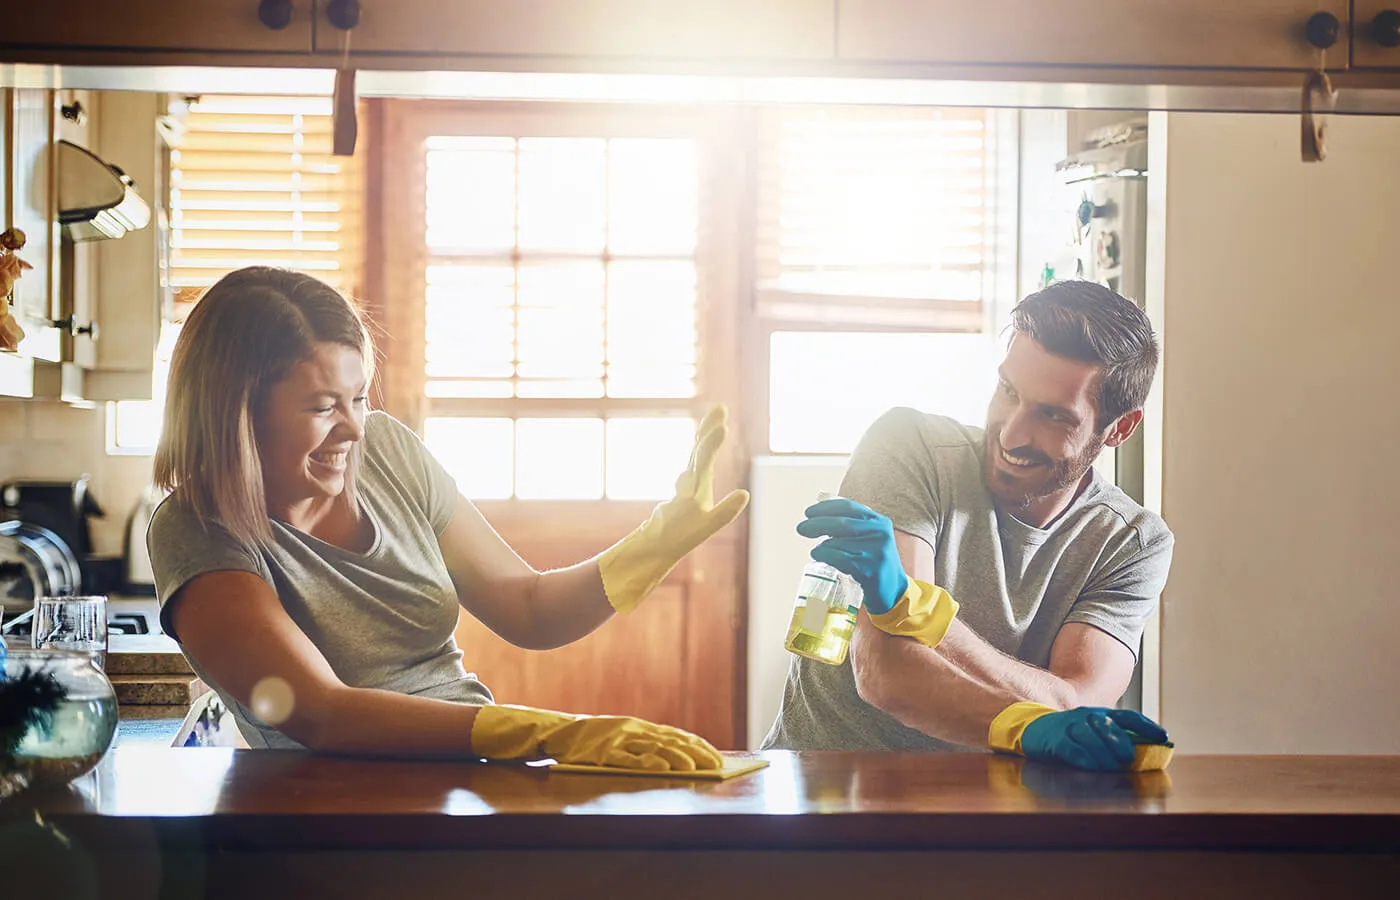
(878, 269)
(253, 182)
(552, 345)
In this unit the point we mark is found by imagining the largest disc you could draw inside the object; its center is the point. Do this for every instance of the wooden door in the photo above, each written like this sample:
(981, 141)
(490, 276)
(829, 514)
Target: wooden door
(678, 658)
(159, 25)
(674, 659)
(1256, 34)
(658, 29)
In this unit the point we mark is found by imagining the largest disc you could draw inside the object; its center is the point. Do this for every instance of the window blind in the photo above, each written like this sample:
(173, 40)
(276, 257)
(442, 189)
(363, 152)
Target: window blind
(874, 204)
(253, 182)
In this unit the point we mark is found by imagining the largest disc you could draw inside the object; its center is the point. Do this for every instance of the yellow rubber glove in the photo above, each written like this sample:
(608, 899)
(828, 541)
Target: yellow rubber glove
(521, 732)
(923, 613)
(635, 565)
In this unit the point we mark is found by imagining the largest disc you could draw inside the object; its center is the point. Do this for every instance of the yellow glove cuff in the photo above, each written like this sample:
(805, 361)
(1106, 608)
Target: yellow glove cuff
(635, 565)
(923, 613)
(514, 732)
(1007, 728)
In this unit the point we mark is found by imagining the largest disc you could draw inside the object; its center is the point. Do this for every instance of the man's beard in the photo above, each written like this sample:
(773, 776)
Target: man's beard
(1062, 473)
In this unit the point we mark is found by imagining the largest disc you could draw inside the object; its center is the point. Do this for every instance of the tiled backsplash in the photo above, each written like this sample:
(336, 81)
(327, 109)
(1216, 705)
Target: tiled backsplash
(53, 440)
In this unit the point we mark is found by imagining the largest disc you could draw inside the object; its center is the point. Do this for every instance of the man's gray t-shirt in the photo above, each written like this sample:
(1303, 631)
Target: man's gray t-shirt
(383, 618)
(1102, 562)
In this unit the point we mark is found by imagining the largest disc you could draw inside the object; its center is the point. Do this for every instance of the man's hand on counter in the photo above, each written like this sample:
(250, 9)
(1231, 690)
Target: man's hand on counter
(1086, 737)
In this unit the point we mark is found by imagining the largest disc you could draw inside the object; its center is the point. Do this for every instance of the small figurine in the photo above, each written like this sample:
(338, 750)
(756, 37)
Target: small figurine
(11, 267)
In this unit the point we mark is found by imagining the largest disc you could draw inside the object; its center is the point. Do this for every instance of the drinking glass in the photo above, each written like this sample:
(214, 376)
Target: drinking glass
(72, 623)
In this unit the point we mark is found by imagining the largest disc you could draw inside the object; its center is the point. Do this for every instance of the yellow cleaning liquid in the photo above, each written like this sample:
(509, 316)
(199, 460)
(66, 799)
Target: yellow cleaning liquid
(824, 616)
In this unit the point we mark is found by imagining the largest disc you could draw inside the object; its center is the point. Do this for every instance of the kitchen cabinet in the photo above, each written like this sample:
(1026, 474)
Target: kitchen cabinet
(128, 277)
(1246, 34)
(161, 25)
(1375, 34)
(91, 310)
(30, 200)
(76, 277)
(656, 29)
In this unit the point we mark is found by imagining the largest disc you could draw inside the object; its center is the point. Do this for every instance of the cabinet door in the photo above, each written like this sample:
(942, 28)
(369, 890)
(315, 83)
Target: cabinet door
(30, 205)
(1375, 36)
(76, 274)
(1140, 33)
(157, 25)
(657, 29)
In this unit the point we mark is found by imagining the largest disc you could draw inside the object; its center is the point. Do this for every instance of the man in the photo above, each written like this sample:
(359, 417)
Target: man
(1005, 583)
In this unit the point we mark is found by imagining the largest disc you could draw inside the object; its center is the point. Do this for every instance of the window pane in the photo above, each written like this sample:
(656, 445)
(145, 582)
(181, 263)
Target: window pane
(560, 330)
(826, 388)
(651, 312)
(562, 194)
(471, 194)
(469, 388)
(478, 452)
(652, 195)
(559, 459)
(470, 322)
(645, 455)
(136, 424)
(651, 381)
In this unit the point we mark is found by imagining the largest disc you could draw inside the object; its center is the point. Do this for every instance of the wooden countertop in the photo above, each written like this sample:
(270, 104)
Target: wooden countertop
(893, 801)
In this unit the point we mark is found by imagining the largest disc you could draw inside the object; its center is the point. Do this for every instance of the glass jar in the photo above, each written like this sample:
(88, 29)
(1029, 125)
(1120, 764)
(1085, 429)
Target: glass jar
(59, 746)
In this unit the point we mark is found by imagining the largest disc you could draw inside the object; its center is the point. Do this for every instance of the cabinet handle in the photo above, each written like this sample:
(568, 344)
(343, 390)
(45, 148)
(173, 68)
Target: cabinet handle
(275, 14)
(1323, 29)
(72, 327)
(1385, 28)
(73, 112)
(343, 14)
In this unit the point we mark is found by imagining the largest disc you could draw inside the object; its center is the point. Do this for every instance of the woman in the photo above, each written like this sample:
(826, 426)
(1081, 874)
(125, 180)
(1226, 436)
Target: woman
(312, 554)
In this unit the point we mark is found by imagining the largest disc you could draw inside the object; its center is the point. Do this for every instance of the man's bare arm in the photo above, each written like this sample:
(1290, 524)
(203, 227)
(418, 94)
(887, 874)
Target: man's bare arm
(953, 692)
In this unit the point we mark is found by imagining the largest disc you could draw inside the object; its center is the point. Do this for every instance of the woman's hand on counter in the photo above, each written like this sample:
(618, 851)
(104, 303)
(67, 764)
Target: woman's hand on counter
(521, 732)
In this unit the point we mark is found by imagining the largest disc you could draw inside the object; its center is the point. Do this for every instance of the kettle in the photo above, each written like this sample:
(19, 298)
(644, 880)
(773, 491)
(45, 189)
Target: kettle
(140, 579)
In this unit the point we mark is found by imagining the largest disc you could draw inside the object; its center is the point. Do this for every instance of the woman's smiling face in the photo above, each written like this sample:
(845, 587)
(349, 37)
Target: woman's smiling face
(307, 426)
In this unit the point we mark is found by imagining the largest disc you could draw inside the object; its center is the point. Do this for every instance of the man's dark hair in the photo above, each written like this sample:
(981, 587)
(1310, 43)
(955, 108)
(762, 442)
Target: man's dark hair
(1088, 322)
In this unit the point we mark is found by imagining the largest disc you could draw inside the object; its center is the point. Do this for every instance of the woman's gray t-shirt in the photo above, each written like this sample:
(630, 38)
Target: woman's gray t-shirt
(1102, 562)
(383, 618)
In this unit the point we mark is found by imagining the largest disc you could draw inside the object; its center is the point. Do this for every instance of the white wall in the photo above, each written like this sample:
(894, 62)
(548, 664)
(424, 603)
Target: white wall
(782, 488)
(1281, 356)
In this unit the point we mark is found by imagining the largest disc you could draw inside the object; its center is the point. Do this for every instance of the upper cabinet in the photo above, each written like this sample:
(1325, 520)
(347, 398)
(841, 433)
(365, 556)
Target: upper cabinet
(264, 26)
(1240, 34)
(30, 201)
(635, 29)
(1375, 34)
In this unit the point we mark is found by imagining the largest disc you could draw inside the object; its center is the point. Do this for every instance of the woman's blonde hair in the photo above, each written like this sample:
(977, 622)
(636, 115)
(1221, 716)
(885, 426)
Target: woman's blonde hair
(246, 334)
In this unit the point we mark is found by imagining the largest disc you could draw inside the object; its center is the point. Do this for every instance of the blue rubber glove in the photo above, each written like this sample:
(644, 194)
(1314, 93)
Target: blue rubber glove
(860, 542)
(1089, 737)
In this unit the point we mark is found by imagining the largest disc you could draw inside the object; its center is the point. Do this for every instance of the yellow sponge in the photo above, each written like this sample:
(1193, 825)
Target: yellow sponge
(1151, 757)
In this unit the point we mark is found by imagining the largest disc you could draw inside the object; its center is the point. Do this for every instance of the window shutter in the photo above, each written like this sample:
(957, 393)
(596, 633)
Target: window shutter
(875, 216)
(253, 182)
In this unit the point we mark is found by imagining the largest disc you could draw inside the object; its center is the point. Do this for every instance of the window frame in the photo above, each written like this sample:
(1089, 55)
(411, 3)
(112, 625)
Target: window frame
(397, 224)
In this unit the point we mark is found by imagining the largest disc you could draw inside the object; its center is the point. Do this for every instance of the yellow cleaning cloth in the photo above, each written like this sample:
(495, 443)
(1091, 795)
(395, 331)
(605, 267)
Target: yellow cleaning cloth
(733, 767)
